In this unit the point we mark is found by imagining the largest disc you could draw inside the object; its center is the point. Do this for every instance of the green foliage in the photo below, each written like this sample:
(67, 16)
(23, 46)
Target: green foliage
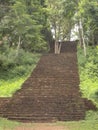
(15, 70)
(88, 67)
(58, 22)
(8, 59)
(85, 11)
(80, 125)
(92, 115)
(26, 58)
(89, 12)
(23, 23)
(8, 87)
(5, 124)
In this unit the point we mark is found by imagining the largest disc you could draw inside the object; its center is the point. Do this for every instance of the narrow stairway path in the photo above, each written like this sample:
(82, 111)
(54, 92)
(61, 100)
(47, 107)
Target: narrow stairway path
(52, 91)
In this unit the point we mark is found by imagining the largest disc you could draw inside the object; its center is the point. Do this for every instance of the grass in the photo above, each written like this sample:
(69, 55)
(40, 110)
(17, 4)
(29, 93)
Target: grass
(72, 125)
(7, 125)
(7, 88)
(82, 125)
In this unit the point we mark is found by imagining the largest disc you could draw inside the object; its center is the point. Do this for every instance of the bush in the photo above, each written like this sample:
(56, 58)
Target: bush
(6, 62)
(26, 58)
(12, 66)
(88, 68)
(9, 59)
(15, 70)
(91, 115)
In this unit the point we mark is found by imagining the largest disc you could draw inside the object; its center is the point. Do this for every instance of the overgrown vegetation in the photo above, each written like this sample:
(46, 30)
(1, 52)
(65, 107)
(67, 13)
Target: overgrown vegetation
(14, 70)
(88, 68)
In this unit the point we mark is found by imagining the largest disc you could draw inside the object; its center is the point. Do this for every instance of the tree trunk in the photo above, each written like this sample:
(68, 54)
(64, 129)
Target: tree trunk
(57, 47)
(80, 34)
(93, 41)
(84, 45)
(69, 36)
(18, 46)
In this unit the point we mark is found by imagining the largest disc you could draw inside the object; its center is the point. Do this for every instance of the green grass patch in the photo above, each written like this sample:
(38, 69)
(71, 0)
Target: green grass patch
(8, 125)
(82, 125)
(71, 125)
(7, 88)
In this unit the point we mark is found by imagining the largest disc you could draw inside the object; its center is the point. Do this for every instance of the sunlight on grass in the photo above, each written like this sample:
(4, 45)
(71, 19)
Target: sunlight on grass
(7, 125)
(84, 125)
(71, 125)
(81, 125)
(7, 88)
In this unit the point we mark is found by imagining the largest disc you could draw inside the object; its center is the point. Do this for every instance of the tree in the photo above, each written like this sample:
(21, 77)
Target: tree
(60, 25)
(23, 25)
(84, 15)
(89, 12)
(28, 23)
(4, 7)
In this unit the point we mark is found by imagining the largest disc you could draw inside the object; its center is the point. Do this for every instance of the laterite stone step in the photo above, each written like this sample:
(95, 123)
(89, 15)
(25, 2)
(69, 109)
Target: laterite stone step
(51, 93)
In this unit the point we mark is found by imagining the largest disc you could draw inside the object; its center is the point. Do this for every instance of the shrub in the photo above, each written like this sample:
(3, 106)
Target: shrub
(91, 115)
(26, 58)
(88, 68)
(9, 60)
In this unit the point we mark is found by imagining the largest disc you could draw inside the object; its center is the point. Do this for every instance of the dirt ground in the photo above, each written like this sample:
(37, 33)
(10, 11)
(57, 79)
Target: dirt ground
(42, 127)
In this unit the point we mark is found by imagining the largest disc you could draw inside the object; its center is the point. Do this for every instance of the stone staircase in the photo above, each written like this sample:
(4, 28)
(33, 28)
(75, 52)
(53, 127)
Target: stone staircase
(52, 91)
